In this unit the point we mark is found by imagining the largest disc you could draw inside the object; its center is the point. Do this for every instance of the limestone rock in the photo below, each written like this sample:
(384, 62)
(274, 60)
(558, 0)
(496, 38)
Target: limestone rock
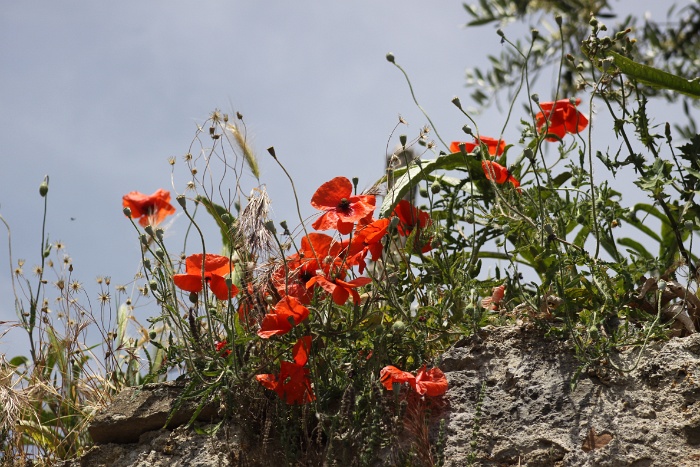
(512, 403)
(138, 410)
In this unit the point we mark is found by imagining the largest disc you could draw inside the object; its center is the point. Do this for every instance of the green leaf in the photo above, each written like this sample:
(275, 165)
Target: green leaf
(655, 77)
(636, 247)
(421, 171)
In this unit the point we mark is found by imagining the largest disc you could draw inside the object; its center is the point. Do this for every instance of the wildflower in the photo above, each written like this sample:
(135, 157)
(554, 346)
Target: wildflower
(431, 382)
(411, 218)
(426, 382)
(367, 239)
(499, 174)
(390, 375)
(341, 208)
(495, 146)
(291, 280)
(220, 347)
(292, 384)
(287, 313)
(104, 298)
(560, 117)
(318, 252)
(339, 289)
(151, 209)
(212, 268)
(493, 302)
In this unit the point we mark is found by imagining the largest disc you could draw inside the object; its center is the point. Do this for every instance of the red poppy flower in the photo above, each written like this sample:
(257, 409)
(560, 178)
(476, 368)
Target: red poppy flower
(367, 239)
(291, 280)
(559, 118)
(493, 302)
(410, 217)
(151, 209)
(499, 174)
(292, 384)
(341, 208)
(213, 268)
(339, 289)
(390, 375)
(495, 146)
(322, 252)
(426, 382)
(221, 349)
(287, 311)
(431, 382)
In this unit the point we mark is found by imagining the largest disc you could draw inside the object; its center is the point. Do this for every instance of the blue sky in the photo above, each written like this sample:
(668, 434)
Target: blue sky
(99, 96)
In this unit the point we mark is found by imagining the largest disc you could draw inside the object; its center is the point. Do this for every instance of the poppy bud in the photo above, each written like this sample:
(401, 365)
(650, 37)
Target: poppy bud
(270, 226)
(593, 332)
(284, 226)
(548, 228)
(500, 33)
(144, 240)
(402, 140)
(159, 233)
(467, 129)
(152, 335)
(557, 18)
(398, 327)
(149, 230)
(194, 296)
(127, 212)
(147, 264)
(153, 285)
(160, 254)
(390, 57)
(530, 154)
(535, 98)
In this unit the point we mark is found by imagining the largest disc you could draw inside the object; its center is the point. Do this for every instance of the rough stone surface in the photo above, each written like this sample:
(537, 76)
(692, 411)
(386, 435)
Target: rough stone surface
(510, 403)
(181, 447)
(530, 415)
(138, 410)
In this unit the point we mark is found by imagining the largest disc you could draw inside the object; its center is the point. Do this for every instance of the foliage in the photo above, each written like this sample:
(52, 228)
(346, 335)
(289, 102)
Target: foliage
(328, 342)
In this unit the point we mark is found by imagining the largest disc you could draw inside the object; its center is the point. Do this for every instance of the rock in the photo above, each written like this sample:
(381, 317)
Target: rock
(512, 402)
(515, 399)
(138, 410)
(181, 447)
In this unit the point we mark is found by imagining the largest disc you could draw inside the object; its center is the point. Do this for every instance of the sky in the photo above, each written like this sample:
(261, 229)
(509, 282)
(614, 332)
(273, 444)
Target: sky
(99, 95)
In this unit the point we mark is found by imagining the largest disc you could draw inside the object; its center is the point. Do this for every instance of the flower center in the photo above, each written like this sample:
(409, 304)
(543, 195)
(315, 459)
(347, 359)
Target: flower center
(344, 204)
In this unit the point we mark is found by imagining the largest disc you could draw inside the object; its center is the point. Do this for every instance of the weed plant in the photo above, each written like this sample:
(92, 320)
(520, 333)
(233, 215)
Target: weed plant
(323, 340)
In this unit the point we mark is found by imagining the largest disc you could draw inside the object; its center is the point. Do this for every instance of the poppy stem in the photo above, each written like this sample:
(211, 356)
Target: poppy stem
(413, 95)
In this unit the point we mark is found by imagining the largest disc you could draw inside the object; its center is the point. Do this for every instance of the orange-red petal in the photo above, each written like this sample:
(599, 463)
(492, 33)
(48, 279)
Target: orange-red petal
(390, 375)
(431, 382)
